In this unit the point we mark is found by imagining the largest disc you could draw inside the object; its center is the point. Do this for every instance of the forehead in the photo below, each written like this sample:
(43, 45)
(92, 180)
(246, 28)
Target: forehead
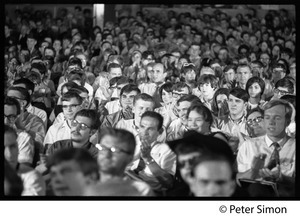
(213, 170)
(14, 93)
(112, 141)
(143, 103)
(149, 121)
(276, 110)
(158, 67)
(229, 71)
(184, 104)
(188, 156)
(70, 101)
(221, 96)
(82, 119)
(244, 69)
(254, 115)
(130, 93)
(234, 98)
(68, 164)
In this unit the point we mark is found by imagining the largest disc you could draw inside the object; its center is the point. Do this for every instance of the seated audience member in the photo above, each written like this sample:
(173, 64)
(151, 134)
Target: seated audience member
(243, 73)
(167, 108)
(230, 76)
(271, 157)
(255, 88)
(283, 87)
(71, 103)
(24, 140)
(127, 95)
(31, 123)
(156, 165)
(291, 129)
(116, 150)
(116, 84)
(178, 126)
(188, 73)
(208, 84)
(234, 125)
(33, 181)
(152, 89)
(219, 106)
(180, 89)
(255, 125)
(27, 84)
(279, 71)
(72, 171)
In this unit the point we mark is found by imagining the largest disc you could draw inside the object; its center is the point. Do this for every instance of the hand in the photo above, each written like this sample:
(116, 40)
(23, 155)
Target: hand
(272, 175)
(128, 113)
(145, 149)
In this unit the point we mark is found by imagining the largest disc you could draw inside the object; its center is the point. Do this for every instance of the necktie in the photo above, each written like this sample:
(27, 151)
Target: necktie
(140, 166)
(274, 160)
(156, 97)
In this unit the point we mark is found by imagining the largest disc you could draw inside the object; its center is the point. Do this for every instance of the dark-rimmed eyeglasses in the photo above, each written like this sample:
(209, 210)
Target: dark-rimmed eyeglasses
(82, 126)
(281, 92)
(72, 106)
(113, 150)
(256, 120)
(11, 117)
(188, 64)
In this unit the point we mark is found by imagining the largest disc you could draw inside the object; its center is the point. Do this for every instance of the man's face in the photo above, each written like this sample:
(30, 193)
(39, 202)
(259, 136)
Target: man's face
(81, 129)
(141, 107)
(150, 73)
(115, 72)
(115, 90)
(190, 76)
(11, 150)
(67, 179)
(147, 60)
(229, 75)
(149, 129)
(113, 163)
(277, 74)
(182, 109)
(10, 114)
(256, 124)
(253, 41)
(194, 50)
(265, 59)
(256, 69)
(70, 108)
(185, 162)
(213, 179)
(17, 95)
(158, 73)
(236, 105)
(223, 54)
(275, 121)
(49, 52)
(30, 43)
(207, 90)
(126, 99)
(243, 74)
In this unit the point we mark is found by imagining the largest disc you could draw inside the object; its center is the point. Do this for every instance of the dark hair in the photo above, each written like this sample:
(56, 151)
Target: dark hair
(92, 114)
(214, 105)
(122, 135)
(24, 92)
(156, 116)
(69, 85)
(256, 109)
(119, 80)
(190, 98)
(290, 98)
(259, 81)
(144, 97)
(40, 66)
(71, 94)
(129, 88)
(87, 164)
(27, 82)
(75, 61)
(202, 110)
(146, 53)
(168, 87)
(286, 83)
(181, 85)
(79, 89)
(113, 65)
(258, 63)
(12, 102)
(288, 108)
(239, 93)
(208, 78)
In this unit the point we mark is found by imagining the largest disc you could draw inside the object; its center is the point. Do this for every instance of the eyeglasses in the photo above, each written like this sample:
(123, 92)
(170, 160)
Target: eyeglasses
(72, 106)
(17, 98)
(11, 117)
(82, 126)
(277, 71)
(281, 92)
(111, 149)
(188, 64)
(115, 87)
(190, 162)
(176, 94)
(256, 120)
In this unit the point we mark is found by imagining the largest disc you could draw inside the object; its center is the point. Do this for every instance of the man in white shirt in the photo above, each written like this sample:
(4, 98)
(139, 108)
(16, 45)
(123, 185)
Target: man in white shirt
(157, 163)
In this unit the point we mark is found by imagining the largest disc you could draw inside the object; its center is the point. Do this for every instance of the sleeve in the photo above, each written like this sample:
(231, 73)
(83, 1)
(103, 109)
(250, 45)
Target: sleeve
(168, 162)
(26, 148)
(243, 158)
(34, 184)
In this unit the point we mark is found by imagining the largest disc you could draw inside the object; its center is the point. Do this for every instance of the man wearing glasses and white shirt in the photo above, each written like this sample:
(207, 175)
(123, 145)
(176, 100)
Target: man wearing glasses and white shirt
(71, 103)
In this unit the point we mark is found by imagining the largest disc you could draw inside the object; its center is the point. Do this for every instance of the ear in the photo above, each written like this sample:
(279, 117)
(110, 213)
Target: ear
(161, 130)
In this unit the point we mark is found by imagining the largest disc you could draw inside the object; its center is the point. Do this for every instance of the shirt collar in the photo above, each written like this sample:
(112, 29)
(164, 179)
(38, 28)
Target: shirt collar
(237, 121)
(281, 142)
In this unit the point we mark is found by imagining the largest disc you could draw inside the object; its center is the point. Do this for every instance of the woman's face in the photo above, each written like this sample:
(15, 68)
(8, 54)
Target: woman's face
(166, 97)
(196, 122)
(136, 58)
(254, 90)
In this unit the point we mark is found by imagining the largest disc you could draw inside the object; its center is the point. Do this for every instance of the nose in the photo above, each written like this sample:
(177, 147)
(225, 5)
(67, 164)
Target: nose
(213, 189)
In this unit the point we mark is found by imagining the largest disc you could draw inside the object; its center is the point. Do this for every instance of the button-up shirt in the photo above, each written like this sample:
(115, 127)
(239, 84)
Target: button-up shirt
(57, 132)
(38, 112)
(262, 144)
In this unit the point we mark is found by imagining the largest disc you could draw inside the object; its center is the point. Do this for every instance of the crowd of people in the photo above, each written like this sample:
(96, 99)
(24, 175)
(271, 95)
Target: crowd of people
(180, 105)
